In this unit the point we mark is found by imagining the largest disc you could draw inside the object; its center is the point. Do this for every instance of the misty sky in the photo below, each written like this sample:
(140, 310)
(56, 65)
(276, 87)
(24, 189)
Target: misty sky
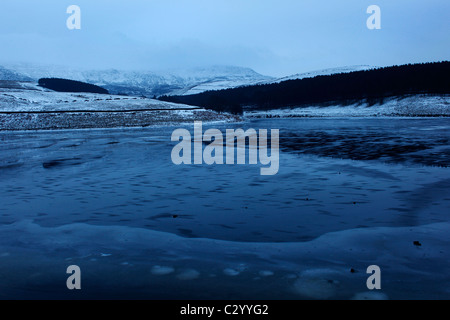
(273, 37)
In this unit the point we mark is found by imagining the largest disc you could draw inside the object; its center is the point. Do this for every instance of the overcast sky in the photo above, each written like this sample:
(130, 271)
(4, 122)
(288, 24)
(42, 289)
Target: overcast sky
(275, 38)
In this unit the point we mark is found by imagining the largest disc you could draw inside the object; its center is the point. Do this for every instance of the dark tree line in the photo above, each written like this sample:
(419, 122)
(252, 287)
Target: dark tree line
(64, 85)
(345, 88)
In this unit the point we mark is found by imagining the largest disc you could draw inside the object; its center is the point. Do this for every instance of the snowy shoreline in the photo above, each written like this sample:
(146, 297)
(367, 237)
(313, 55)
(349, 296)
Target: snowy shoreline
(426, 106)
(108, 120)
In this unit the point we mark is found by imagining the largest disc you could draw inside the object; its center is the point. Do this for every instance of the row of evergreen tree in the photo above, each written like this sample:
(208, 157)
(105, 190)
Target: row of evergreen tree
(64, 85)
(345, 88)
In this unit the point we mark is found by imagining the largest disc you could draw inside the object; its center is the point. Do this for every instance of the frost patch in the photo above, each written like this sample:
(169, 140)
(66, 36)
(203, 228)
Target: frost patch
(266, 273)
(162, 270)
(189, 274)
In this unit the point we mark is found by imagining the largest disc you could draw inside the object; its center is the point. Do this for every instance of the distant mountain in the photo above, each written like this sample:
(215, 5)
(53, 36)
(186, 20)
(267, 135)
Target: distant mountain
(145, 83)
(220, 77)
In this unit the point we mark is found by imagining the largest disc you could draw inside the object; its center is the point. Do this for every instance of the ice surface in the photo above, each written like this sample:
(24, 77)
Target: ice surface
(189, 274)
(266, 273)
(162, 270)
(370, 295)
(112, 202)
(37, 257)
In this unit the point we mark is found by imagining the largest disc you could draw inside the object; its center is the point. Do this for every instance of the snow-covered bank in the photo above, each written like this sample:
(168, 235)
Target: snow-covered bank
(28, 96)
(412, 106)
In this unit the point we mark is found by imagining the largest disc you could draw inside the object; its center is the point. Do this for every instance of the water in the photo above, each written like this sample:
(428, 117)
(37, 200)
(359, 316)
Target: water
(61, 191)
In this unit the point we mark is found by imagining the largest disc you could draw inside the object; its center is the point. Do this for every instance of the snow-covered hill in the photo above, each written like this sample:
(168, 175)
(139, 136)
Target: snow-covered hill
(9, 75)
(252, 78)
(29, 97)
(146, 83)
(26, 106)
(323, 72)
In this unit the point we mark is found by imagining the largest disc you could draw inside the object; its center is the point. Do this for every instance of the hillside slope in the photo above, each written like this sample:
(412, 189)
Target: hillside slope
(26, 106)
